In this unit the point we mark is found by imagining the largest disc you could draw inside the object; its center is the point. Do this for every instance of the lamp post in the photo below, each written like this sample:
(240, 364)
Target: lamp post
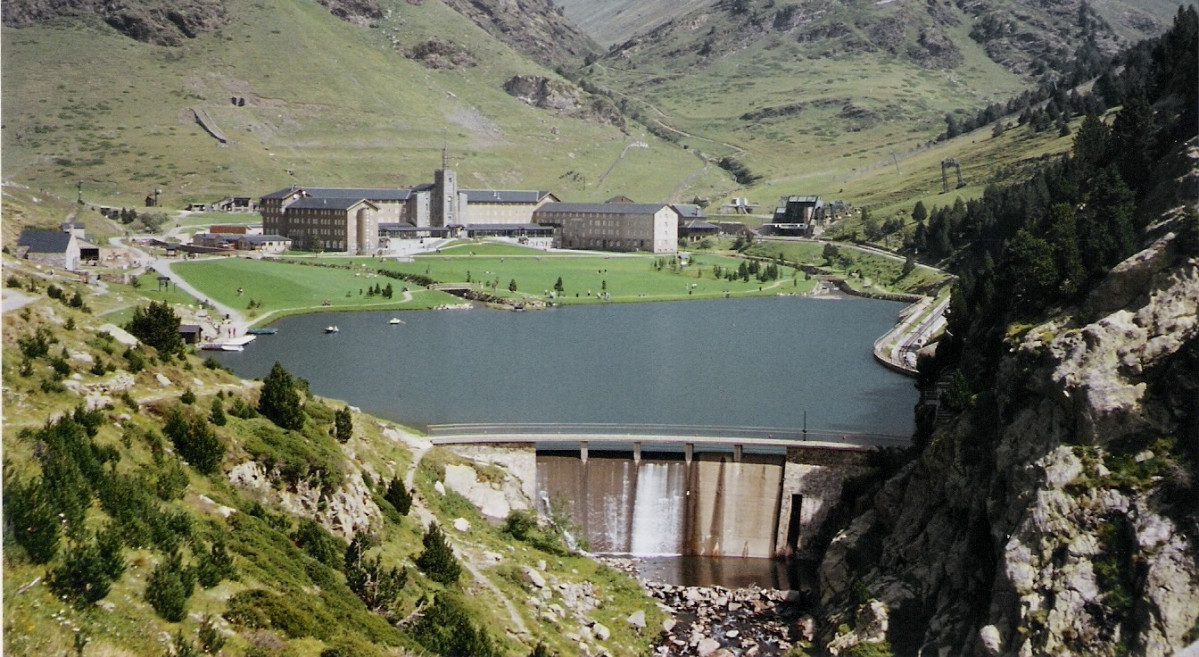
(79, 192)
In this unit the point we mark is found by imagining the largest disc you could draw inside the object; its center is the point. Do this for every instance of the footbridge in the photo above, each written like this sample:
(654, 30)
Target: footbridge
(692, 490)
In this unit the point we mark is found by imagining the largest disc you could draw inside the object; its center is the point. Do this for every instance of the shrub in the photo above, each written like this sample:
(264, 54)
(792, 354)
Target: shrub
(446, 629)
(168, 588)
(211, 638)
(188, 397)
(88, 570)
(33, 518)
(136, 360)
(261, 609)
(318, 543)
(195, 440)
(170, 480)
(217, 414)
(438, 560)
(399, 497)
(158, 326)
(376, 586)
(280, 401)
(215, 566)
(38, 344)
(242, 409)
(343, 423)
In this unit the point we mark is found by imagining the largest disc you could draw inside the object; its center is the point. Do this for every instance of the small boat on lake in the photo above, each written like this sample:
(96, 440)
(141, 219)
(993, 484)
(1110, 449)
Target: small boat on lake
(395, 320)
(221, 346)
(262, 331)
(331, 329)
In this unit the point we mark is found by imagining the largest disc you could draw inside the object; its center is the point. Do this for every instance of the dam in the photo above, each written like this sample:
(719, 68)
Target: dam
(650, 491)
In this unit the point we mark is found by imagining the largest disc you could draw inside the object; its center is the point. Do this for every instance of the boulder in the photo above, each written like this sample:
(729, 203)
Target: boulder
(707, 646)
(462, 524)
(532, 577)
(637, 619)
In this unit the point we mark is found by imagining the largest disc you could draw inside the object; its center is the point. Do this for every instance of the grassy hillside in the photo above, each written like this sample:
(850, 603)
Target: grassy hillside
(199, 532)
(327, 102)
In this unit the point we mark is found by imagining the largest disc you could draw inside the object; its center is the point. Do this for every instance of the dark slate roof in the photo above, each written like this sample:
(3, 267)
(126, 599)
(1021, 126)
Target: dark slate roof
(373, 194)
(804, 199)
(534, 227)
(689, 211)
(44, 241)
(326, 203)
(261, 239)
(190, 328)
(603, 208)
(503, 196)
(695, 224)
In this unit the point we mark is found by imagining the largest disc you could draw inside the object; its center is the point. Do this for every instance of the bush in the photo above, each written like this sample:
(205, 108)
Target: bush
(446, 629)
(343, 423)
(158, 326)
(215, 566)
(398, 496)
(217, 414)
(33, 519)
(280, 401)
(261, 609)
(170, 480)
(195, 440)
(438, 560)
(318, 543)
(376, 586)
(88, 570)
(168, 588)
(188, 397)
(242, 409)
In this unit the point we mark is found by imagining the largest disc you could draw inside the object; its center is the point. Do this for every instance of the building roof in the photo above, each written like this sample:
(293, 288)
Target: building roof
(328, 203)
(529, 227)
(262, 239)
(803, 199)
(689, 211)
(45, 241)
(602, 208)
(503, 196)
(190, 328)
(369, 193)
(696, 224)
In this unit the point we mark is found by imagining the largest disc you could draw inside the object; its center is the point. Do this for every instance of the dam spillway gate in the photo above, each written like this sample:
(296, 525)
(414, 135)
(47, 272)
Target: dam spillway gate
(669, 491)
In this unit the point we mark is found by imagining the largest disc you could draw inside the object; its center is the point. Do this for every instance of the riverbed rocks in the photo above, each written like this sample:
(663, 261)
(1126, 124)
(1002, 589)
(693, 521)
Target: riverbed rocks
(720, 622)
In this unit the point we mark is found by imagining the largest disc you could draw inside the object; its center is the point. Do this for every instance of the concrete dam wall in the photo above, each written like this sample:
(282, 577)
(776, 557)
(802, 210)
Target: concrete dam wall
(665, 506)
(713, 504)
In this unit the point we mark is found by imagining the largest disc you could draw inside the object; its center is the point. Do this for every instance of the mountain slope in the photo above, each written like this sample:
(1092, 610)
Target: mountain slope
(325, 101)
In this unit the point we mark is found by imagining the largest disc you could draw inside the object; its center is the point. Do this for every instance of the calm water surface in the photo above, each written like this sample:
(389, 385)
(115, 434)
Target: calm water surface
(747, 362)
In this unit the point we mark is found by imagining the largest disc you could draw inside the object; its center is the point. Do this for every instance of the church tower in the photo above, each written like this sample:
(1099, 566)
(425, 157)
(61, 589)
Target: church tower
(445, 193)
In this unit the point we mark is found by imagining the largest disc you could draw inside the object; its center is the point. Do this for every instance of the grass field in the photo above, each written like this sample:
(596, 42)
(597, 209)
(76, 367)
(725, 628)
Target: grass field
(625, 278)
(283, 288)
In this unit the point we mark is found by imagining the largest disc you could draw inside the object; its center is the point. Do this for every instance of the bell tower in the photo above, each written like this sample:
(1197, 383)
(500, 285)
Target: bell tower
(445, 192)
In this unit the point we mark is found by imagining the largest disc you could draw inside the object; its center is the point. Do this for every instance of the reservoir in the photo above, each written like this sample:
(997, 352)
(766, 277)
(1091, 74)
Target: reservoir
(761, 362)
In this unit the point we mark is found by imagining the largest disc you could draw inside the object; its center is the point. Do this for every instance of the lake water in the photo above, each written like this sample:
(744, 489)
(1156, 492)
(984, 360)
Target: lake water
(758, 362)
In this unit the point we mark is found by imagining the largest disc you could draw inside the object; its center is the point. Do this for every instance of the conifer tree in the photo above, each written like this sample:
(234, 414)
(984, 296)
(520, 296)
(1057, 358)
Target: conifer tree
(343, 424)
(399, 496)
(438, 560)
(280, 401)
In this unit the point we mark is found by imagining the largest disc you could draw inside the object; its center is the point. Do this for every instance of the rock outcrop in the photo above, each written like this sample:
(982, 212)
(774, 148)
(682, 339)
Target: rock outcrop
(159, 23)
(563, 98)
(1069, 524)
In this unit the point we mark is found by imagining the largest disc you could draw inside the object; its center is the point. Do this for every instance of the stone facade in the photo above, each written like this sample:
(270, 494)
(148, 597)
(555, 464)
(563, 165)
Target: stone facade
(613, 226)
(815, 478)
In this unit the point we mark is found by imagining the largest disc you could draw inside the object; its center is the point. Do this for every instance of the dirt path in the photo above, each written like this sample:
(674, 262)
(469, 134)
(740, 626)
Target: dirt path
(420, 447)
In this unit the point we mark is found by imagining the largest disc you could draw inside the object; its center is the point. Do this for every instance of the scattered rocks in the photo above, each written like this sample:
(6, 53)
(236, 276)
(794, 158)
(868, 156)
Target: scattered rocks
(720, 622)
(637, 620)
(162, 380)
(461, 524)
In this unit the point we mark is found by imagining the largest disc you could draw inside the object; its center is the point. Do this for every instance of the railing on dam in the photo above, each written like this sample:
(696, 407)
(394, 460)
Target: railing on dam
(657, 433)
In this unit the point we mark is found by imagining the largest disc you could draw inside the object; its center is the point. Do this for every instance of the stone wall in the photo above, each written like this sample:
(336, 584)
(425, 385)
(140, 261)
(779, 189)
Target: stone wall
(818, 476)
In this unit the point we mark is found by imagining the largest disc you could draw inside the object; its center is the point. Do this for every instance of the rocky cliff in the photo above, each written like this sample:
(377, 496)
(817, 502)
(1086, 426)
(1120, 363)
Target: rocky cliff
(160, 23)
(1063, 518)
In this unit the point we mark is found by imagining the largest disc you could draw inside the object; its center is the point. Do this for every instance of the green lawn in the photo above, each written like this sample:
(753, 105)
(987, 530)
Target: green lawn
(289, 288)
(584, 277)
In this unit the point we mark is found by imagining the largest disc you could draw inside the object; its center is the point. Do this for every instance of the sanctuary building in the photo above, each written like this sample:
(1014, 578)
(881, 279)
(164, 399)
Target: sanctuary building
(368, 221)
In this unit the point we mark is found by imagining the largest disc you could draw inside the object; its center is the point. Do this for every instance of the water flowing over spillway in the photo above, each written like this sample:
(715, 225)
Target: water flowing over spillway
(667, 507)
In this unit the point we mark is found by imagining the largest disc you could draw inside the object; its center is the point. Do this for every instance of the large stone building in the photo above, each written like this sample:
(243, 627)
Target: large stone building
(349, 219)
(613, 226)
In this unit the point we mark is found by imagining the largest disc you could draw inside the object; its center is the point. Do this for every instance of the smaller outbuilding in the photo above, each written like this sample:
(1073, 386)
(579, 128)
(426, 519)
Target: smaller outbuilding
(191, 333)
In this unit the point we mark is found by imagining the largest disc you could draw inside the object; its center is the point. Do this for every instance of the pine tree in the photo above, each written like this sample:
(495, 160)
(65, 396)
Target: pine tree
(438, 560)
(376, 586)
(343, 425)
(194, 440)
(398, 496)
(280, 401)
(169, 586)
(158, 326)
(217, 414)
